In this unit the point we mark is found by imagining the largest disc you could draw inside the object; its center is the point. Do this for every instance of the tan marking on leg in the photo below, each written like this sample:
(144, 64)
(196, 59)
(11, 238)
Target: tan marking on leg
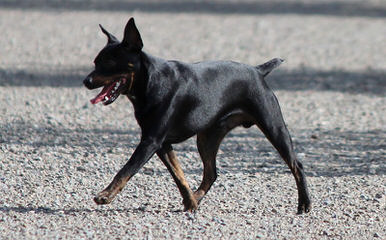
(108, 194)
(174, 167)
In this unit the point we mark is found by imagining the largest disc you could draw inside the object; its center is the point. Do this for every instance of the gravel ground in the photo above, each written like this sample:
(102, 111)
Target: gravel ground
(57, 150)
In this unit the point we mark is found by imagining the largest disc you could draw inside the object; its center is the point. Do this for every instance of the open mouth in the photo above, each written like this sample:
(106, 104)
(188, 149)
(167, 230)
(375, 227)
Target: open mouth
(110, 92)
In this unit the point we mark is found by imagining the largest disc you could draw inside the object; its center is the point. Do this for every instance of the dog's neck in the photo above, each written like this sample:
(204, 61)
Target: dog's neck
(137, 90)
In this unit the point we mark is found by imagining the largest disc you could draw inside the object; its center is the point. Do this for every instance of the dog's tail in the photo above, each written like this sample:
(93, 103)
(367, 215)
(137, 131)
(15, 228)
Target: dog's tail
(267, 67)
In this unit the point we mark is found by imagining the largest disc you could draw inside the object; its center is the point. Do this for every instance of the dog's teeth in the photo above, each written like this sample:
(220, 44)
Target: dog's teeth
(117, 85)
(106, 98)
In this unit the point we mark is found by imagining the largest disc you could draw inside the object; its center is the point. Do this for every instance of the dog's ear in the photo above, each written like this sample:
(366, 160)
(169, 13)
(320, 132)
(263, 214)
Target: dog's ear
(132, 38)
(110, 37)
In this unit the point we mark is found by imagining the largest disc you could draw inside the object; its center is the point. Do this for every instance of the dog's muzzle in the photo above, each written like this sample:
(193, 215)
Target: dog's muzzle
(88, 82)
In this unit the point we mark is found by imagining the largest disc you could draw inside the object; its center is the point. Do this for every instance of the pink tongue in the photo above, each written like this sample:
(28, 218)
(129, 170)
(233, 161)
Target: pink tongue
(102, 94)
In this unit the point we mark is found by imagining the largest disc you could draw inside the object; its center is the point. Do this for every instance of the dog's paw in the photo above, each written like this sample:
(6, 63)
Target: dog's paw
(103, 198)
(199, 195)
(304, 207)
(190, 206)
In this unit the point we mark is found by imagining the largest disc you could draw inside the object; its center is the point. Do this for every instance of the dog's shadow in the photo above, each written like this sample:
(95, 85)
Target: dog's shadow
(244, 150)
(369, 82)
(78, 211)
(329, 8)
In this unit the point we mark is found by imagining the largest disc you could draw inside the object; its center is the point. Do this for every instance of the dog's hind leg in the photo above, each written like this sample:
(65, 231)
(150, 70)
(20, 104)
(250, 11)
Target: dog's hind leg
(169, 158)
(269, 119)
(208, 143)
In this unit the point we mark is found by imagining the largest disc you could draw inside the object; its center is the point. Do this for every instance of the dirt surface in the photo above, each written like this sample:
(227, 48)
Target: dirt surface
(57, 150)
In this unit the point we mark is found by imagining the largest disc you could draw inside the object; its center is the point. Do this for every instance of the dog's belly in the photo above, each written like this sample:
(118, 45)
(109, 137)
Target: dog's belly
(180, 133)
(172, 139)
(187, 127)
(190, 124)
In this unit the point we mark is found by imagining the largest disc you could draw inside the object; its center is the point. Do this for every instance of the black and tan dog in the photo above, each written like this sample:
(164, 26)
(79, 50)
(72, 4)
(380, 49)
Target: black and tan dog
(174, 101)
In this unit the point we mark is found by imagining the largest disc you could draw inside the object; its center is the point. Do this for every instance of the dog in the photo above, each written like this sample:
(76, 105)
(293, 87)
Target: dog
(174, 101)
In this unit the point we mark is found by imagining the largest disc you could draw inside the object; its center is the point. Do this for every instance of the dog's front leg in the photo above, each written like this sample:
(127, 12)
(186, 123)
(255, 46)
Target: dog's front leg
(141, 155)
(169, 158)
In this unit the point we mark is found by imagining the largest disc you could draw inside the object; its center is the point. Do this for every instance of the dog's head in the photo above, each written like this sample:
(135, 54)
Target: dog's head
(116, 65)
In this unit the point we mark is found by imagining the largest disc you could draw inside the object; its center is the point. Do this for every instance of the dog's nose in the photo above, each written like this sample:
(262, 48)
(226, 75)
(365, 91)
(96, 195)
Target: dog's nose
(88, 81)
